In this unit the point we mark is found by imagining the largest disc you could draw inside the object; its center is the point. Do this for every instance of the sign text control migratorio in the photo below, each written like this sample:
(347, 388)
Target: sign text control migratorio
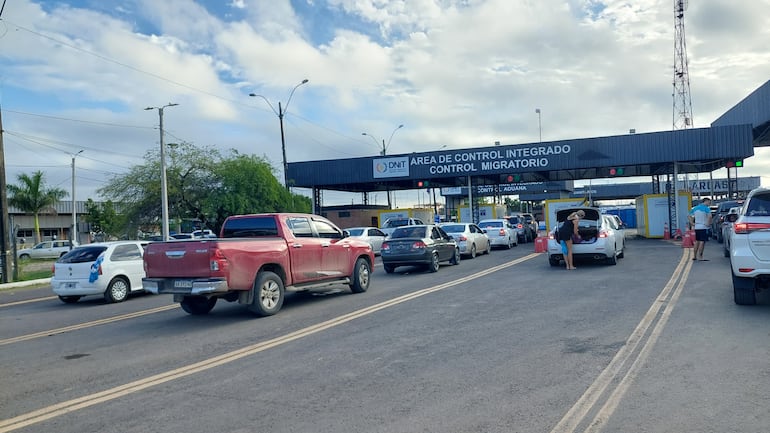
(490, 160)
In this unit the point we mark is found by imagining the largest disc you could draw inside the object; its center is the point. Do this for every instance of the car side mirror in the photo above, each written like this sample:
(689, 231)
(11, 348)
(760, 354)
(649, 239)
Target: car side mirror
(345, 234)
(732, 217)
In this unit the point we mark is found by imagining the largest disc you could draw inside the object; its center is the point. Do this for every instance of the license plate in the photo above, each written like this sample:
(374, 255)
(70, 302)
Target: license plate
(183, 284)
(70, 285)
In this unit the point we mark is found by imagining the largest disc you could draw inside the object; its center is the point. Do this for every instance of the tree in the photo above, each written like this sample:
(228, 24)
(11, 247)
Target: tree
(105, 221)
(202, 185)
(32, 196)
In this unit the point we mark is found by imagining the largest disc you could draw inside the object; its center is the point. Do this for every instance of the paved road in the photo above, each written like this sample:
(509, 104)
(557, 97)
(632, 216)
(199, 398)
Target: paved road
(501, 343)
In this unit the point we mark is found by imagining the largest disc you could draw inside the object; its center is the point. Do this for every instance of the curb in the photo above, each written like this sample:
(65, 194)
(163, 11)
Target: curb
(18, 284)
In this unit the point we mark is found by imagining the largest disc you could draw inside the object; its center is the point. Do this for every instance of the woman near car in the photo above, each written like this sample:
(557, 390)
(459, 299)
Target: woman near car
(566, 232)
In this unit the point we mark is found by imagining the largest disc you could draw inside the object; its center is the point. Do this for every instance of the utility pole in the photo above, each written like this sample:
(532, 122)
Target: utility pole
(4, 223)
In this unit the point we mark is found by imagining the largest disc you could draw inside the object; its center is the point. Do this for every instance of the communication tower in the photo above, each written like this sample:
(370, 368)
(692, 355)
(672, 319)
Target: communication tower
(682, 114)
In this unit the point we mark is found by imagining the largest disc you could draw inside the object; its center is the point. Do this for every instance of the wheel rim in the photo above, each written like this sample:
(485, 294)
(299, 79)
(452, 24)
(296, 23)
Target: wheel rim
(434, 261)
(119, 290)
(363, 275)
(269, 294)
(473, 251)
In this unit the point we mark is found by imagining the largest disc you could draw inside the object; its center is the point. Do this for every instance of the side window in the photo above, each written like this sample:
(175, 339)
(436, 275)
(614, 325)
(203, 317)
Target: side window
(300, 227)
(376, 232)
(126, 252)
(326, 230)
(418, 222)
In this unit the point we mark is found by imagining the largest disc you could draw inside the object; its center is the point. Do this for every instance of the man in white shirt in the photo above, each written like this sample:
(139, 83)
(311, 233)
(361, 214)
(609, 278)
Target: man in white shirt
(700, 220)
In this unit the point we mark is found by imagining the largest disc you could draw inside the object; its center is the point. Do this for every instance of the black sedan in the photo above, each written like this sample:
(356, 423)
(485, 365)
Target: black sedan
(420, 245)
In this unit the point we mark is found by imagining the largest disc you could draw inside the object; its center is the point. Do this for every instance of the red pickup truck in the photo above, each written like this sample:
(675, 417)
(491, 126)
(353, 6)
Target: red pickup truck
(255, 260)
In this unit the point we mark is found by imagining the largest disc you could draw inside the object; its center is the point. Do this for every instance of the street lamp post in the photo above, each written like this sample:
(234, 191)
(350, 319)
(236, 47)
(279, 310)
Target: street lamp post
(384, 151)
(281, 111)
(163, 182)
(74, 232)
(539, 125)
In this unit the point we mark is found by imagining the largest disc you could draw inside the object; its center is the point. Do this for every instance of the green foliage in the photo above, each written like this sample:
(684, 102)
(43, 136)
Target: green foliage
(31, 195)
(105, 221)
(202, 185)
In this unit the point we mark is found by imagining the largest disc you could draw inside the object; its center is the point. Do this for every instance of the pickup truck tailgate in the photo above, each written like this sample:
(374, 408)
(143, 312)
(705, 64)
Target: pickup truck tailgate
(185, 259)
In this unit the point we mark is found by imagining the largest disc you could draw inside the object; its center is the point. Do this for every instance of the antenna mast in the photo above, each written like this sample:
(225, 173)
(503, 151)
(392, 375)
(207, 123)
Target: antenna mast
(682, 114)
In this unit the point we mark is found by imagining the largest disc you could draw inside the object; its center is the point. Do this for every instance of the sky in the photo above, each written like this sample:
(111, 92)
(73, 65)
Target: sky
(457, 74)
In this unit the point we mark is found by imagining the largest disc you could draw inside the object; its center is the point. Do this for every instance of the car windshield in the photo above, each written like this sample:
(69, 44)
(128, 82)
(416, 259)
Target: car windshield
(408, 232)
(396, 223)
(514, 220)
(454, 228)
(356, 232)
(83, 254)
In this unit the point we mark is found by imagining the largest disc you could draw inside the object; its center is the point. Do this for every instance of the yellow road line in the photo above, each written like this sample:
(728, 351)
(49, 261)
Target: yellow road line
(66, 407)
(86, 325)
(580, 410)
(28, 301)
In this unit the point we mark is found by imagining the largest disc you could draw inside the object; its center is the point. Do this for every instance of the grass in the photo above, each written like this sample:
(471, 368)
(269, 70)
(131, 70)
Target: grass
(35, 269)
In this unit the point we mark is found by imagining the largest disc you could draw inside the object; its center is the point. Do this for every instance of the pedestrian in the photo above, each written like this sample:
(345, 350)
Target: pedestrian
(700, 221)
(566, 232)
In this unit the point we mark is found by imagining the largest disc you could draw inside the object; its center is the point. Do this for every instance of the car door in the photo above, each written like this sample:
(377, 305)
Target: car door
(127, 260)
(336, 253)
(376, 237)
(306, 250)
(43, 250)
(480, 238)
(442, 242)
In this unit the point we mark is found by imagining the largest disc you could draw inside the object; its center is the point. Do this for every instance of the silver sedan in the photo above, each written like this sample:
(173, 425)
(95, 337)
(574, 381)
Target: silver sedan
(373, 235)
(470, 238)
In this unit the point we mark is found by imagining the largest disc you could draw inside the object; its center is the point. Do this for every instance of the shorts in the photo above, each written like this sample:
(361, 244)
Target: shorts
(564, 249)
(702, 235)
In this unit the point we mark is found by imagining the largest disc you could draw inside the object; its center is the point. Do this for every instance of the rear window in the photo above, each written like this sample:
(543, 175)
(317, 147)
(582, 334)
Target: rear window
(759, 205)
(397, 223)
(250, 227)
(491, 224)
(408, 232)
(355, 232)
(83, 254)
(454, 228)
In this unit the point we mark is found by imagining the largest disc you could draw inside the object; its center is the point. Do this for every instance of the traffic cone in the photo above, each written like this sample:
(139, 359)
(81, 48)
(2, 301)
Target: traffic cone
(678, 234)
(666, 232)
(688, 240)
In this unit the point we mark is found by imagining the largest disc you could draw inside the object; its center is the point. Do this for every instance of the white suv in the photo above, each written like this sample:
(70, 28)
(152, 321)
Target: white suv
(45, 250)
(750, 248)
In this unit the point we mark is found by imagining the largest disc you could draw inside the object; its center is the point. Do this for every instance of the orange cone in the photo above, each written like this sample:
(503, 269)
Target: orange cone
(688, 240)
(666, 232)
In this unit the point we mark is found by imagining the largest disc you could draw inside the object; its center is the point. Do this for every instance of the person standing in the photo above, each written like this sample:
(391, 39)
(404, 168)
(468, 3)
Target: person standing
(700, 221)
(566, 231)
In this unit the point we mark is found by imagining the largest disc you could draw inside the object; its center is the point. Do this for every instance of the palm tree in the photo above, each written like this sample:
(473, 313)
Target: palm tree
(31, 195)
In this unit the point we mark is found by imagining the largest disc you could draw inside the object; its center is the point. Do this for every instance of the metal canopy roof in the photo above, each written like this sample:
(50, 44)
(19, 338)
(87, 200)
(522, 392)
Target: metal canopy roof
(732, 137)
(695, 151)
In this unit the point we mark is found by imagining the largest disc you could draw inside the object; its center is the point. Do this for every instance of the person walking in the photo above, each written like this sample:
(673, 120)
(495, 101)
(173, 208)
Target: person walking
(700, 221)
(566, 232)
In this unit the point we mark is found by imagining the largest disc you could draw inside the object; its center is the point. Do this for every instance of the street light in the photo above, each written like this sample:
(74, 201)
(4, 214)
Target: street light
(281, 111)
(384, 151)
(74, 232)
(163, 186)
(539, 125)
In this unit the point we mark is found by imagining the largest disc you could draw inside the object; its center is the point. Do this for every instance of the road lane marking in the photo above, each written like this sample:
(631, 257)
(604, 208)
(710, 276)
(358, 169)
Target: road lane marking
(67, 407)
(28, 301)
(664, 302)
(86, 325)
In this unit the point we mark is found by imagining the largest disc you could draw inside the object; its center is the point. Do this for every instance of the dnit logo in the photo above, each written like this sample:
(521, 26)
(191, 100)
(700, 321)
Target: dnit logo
(381, 168)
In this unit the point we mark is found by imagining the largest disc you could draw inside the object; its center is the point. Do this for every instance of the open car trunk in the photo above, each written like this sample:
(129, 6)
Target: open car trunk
(589, 225)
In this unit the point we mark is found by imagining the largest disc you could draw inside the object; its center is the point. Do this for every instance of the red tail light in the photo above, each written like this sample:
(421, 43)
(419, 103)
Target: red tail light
(602, 234)
(218, 262)
(385, 246)
(462, 238)
(502, 232)
(519, 226)
(744, 228)
(418, 245)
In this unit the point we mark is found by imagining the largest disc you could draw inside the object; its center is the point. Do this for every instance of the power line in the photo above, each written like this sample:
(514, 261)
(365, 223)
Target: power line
(117, 125)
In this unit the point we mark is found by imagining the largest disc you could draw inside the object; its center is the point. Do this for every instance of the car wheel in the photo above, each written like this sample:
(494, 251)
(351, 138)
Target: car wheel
(509, 245)
(197, 305)
(489, 248)
(613, 260)
(554, 262)
(433, 266)
(622, 252)
(389, 268)
(117, 290)
(455, 260)
(24, 257)
(268, 294)
(744, 291)
(69, 299)
(726, 252)
(473, 251)
(360, 277)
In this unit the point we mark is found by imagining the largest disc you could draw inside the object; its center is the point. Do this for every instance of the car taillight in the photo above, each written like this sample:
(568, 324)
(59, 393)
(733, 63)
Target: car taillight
(502, 232)
(462, 238)
(744, 228)
(520, 226)
(218, 262)
(418, 245)
(602, 234)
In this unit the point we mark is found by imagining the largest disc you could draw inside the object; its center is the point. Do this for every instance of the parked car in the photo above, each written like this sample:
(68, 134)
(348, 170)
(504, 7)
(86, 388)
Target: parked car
(111, 269)
(600, 237)
(391, 224)
(469, 237)
(524, 232)
(45, 250)
(750, 248)
(727, 228)
(421, 245)
(718, 218)
(373, 235)
(501, 233)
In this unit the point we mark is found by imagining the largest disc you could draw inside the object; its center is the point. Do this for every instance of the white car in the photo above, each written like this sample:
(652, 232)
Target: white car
(750, 248)
(727, 228)
(373, 235)
(111, 269)
(600, 237)
(45, 250)
(501, 233)
(469, 237)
